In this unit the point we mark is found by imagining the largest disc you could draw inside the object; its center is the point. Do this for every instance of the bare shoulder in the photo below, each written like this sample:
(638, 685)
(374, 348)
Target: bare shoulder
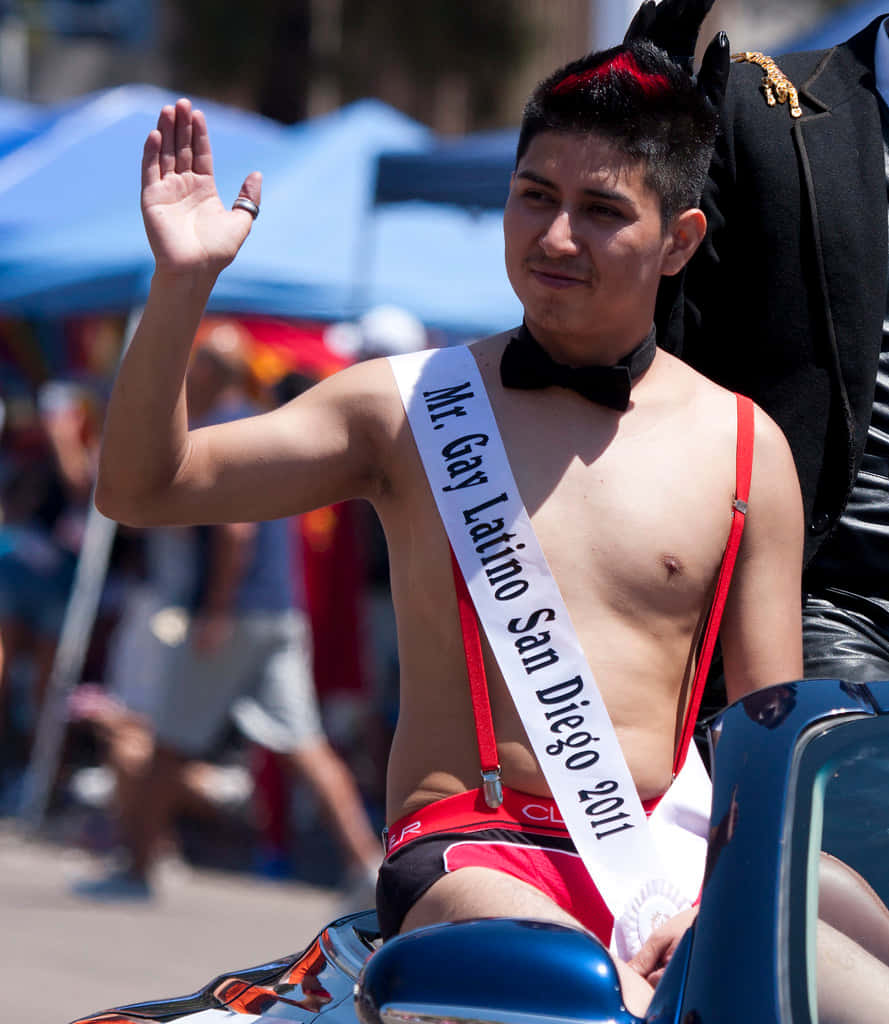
(708, 404)
(775, 485)
(775, 481)
(715, 409)
(771, 447)
(707, 398)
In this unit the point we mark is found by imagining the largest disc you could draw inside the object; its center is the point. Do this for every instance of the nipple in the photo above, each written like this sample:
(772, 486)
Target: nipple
(672, 565)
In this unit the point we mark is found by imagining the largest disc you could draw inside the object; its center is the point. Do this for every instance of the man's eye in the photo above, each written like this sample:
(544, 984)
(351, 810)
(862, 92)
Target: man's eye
(535, 195)
(598, 210)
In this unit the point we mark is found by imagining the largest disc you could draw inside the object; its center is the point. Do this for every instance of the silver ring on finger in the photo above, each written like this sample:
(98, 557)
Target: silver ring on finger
(243, 203)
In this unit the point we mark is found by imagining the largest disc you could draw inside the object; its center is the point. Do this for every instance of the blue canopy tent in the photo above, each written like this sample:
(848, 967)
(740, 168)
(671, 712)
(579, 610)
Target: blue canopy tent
(837, 27)
(19, 122)
(79, 168)
(472, 172)
(71, 238)
(451, 196)
(342, 251)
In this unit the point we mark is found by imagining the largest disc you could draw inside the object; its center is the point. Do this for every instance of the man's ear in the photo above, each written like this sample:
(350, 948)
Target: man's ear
(683, 236)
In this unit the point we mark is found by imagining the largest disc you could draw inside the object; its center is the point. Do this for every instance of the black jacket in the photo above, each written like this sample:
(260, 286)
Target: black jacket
(786, 298)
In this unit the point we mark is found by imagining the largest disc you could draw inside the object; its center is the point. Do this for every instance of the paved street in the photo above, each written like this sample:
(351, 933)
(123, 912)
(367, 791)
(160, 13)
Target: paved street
(61, 957)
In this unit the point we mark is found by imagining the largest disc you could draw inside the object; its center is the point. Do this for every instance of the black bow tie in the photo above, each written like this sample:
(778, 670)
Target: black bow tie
(526, 365)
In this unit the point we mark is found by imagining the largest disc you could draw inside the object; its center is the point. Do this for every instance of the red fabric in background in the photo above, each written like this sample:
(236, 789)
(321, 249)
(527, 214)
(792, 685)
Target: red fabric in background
(334, 572)
(296, 346)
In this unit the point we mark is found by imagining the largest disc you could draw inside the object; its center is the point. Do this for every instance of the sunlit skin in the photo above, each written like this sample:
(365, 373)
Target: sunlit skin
(586, 246)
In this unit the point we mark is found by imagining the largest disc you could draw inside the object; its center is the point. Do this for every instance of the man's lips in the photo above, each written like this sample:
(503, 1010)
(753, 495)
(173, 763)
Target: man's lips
(554, 278)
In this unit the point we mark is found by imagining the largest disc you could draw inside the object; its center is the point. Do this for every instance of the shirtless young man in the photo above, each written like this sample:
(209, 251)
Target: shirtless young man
(632, 508)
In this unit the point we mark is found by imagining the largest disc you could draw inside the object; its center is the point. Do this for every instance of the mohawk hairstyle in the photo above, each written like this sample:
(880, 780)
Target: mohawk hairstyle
(642, 103)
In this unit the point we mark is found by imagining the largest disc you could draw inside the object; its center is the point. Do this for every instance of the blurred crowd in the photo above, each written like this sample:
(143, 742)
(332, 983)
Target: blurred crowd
(238, 689)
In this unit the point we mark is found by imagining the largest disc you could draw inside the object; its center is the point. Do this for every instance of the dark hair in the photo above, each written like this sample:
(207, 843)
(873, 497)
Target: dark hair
(644, 104)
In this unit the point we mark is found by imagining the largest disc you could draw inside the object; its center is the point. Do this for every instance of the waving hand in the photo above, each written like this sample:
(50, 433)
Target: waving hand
(188, 226)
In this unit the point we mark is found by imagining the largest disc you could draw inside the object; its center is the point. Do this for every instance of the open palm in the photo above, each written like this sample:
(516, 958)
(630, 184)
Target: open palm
(188, 226)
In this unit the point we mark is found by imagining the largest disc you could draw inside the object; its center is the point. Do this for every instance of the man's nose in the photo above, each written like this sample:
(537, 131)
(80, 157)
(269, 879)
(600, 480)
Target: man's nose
(558, 237)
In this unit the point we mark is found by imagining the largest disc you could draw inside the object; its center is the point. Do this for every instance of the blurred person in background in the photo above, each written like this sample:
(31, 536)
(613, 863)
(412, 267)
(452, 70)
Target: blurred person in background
(139, 655)
(246, 658)
(45, 501)
(384, 330)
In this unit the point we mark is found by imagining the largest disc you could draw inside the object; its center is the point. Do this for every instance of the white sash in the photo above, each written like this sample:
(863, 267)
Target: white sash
(646, 870)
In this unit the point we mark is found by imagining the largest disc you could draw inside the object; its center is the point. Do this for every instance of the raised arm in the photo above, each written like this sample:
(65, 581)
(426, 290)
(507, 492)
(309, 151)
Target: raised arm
(152, 470)
(761, 633)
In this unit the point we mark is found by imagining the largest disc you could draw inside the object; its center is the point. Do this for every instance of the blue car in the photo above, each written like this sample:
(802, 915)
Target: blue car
(792, 926)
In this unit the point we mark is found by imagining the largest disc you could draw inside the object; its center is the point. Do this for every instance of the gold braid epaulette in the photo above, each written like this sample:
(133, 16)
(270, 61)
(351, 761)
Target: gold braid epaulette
(775, 84)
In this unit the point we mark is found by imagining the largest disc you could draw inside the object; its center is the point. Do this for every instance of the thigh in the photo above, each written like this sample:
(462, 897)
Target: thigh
(853, 986)
(483, 892)
(848, 903)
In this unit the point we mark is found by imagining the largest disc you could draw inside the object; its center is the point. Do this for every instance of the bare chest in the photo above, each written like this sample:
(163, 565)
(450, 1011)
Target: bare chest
(632, 514)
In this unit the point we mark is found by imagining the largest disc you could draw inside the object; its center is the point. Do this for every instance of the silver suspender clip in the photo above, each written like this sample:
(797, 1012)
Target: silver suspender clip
(740, 506)
(492, 787)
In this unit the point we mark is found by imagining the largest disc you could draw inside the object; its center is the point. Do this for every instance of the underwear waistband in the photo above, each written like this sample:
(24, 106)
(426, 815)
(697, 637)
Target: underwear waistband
(464, 812)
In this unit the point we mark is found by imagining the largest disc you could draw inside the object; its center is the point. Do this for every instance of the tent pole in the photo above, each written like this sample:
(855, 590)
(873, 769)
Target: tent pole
(77, 627)
(363, 261)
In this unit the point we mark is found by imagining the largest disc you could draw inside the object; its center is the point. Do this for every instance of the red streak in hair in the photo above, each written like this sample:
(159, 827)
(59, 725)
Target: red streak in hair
(624, 63)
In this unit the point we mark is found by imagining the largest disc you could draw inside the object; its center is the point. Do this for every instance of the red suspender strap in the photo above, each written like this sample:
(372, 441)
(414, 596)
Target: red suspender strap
(743, 470)
(478, 687)
(475, 666)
